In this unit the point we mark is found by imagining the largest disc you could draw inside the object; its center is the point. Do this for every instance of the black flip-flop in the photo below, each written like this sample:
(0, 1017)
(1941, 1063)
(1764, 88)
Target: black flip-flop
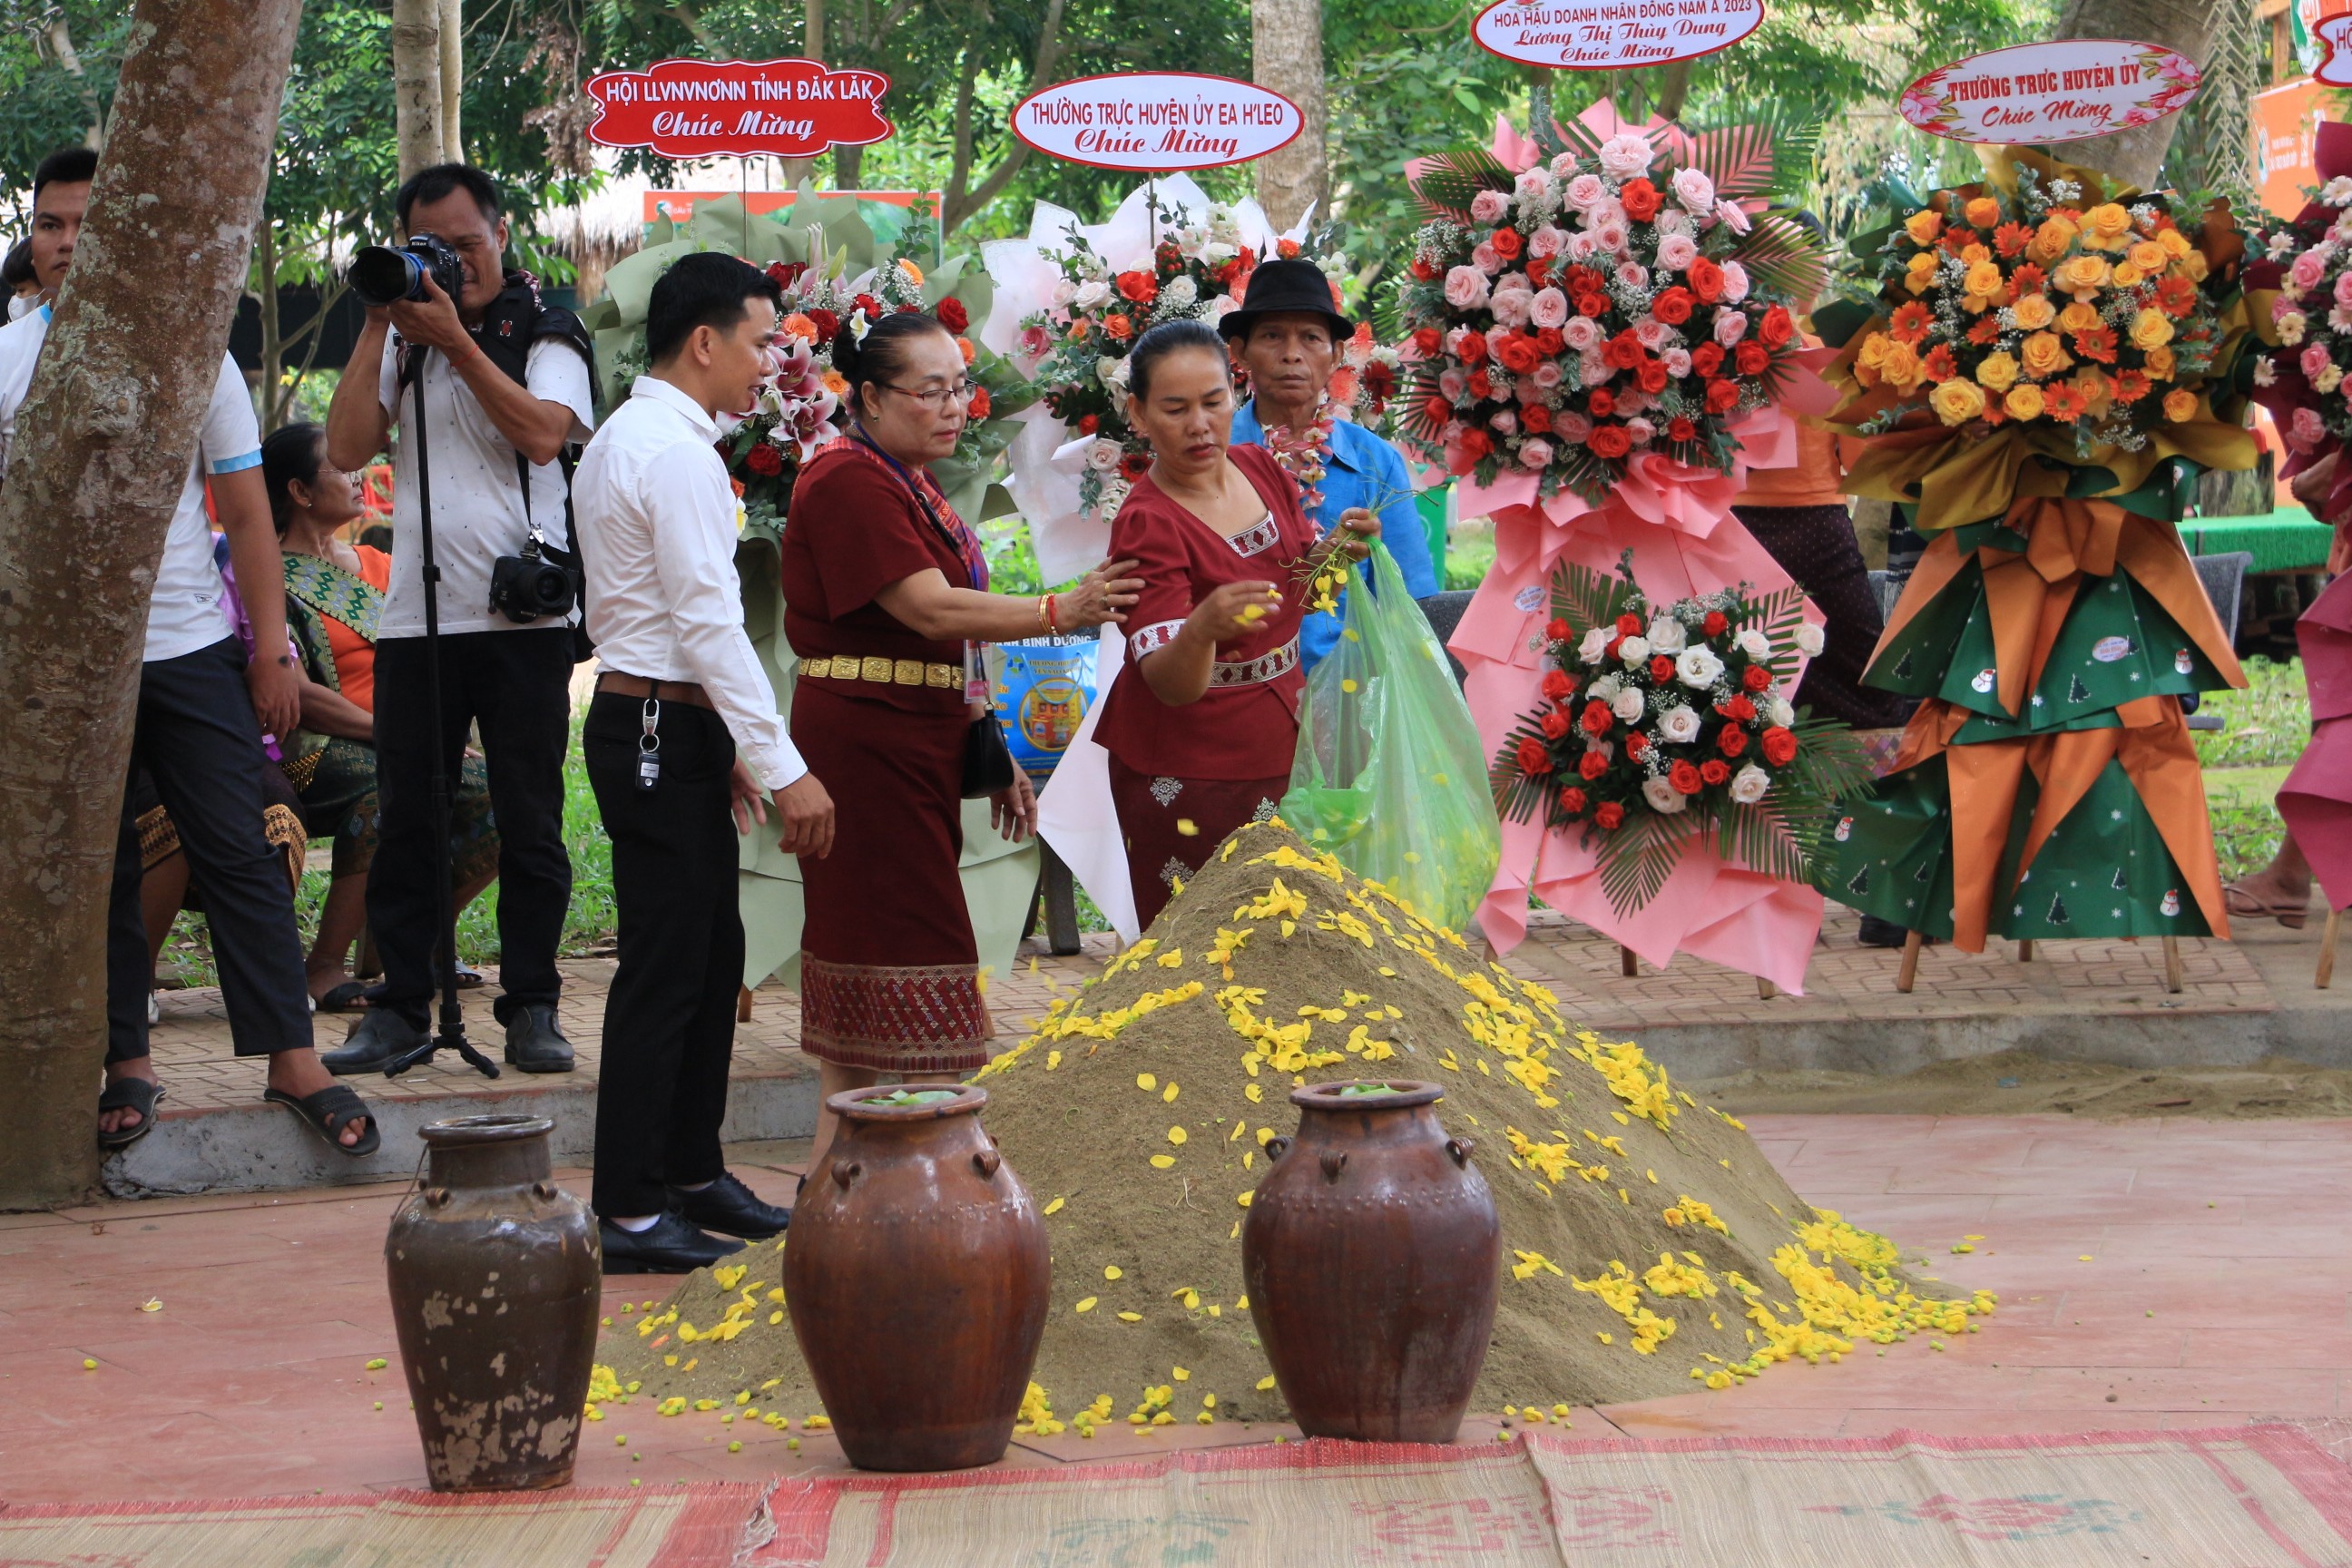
(351, 996)
(128, 1094)
(327, 1111)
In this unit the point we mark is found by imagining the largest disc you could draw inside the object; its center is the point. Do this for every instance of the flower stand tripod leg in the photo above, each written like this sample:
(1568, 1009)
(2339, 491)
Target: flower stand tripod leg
(1903, 977)
(2173, 980)
(2325, 975)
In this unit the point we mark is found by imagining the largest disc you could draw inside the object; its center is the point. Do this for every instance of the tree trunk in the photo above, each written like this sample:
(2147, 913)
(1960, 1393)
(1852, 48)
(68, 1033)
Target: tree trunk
(60, 38)
(273, 342)
(417, 82)
(2136, 155)
(1286, 55)
(796, 171)
(102, 445)
(453, 77)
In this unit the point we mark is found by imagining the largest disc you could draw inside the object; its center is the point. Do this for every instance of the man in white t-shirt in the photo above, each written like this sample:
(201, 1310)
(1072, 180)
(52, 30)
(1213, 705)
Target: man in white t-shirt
(196, 734)
(506, 388)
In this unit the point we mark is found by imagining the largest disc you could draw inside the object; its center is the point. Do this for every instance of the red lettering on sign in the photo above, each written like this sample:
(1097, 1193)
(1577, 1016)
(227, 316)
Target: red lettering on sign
(739, 109)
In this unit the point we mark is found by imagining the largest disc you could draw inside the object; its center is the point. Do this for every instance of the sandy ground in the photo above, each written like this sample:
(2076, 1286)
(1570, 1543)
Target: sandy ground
(2015, 1083)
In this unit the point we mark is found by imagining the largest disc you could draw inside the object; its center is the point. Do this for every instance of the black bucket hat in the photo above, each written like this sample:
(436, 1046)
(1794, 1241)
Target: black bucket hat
(1281, 288)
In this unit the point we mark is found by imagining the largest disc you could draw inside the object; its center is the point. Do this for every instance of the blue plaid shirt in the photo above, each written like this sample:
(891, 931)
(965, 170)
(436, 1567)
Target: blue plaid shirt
(1365, 472)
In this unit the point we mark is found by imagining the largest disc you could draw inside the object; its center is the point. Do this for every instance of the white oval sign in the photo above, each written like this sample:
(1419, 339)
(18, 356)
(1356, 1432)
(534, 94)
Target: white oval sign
(1609, 35)
(2069, 90)
(1157, 121)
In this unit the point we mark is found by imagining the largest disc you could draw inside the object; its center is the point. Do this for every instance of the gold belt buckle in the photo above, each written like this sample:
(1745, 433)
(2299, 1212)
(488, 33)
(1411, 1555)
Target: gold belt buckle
(874, 668)
(908, 672)
(941, 676)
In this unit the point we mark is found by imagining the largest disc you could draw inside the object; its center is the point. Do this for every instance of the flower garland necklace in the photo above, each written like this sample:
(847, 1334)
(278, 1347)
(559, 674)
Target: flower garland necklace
(1304, 456)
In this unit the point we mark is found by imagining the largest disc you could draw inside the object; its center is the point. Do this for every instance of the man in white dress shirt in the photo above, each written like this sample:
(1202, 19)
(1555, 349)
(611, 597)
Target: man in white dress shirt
(681, 739)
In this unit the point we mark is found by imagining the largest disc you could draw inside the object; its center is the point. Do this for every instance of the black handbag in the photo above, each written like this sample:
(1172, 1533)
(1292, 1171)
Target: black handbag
(987, 760)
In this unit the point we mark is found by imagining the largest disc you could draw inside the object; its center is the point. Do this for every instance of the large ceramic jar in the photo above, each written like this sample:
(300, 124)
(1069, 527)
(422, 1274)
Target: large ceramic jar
(1372, 1254)
(916, 1275)
(494, 1272)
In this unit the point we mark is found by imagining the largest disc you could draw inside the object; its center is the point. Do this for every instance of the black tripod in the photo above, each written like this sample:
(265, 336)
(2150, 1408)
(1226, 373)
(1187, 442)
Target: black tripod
(451, 1033)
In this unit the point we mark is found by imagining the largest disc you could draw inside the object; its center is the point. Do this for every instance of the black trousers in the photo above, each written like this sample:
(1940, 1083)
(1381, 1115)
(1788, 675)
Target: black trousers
(670, 1019)
(197, 738)
(516, 685)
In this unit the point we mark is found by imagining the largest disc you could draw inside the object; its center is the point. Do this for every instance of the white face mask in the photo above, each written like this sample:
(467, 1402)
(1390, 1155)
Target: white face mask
(23, 305)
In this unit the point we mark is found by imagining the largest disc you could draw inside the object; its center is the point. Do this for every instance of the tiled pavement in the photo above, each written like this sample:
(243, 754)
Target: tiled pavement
(2152, 1273)
(1689, 1007)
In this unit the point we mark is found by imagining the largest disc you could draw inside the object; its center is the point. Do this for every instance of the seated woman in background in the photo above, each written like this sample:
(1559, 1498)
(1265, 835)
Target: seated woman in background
(1202, 721)
(334, 592)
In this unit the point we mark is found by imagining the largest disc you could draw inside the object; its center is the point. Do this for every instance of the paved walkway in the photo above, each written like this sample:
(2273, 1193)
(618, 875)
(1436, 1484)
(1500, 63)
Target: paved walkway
(1703, 1020)
(2152, 1273)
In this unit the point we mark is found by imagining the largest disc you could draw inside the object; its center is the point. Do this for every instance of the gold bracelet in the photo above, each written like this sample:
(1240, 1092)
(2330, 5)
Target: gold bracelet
(1042, 622)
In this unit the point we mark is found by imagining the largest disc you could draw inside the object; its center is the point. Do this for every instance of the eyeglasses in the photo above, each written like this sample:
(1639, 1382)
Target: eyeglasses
(935, 399)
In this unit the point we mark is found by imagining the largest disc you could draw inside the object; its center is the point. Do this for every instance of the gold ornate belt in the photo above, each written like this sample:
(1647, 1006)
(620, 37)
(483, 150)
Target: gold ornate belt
(885, 671)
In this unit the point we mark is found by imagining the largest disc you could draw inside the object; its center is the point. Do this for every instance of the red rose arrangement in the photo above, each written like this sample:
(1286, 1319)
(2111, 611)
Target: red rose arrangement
(1564, 318)
(1662, 722)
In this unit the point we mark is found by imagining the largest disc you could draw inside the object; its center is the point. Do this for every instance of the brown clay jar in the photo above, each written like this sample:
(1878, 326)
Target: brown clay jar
(915, 1274)
(1372, 1253)
(494, 1272)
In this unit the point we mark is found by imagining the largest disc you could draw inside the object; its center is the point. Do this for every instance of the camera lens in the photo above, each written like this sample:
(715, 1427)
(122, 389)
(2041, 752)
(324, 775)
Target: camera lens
(381, 274)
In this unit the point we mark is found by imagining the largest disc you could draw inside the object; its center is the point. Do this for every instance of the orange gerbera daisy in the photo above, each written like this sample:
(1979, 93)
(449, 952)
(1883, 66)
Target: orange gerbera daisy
(2010, 237)
(2131, 385)
(1910, 322)
(2028, 280)
(2061, 402)
(1986, 329)
(1939, 363)
(2098, 343)
(2176, 296)
(1956, 238)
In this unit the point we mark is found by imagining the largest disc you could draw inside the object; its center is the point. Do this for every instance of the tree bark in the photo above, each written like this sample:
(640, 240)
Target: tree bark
(452, 54)
(102, 445)
(2135, 156)
(796, 171)
(60, 38)
(417, 83)
(1286, 55)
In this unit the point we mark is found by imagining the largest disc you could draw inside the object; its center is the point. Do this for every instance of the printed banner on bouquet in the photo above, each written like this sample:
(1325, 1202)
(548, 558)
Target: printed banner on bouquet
(2334, 37)
(2069, 90)
(739, 109)
(1609, 35)
(2287, 119)
(1157, 121)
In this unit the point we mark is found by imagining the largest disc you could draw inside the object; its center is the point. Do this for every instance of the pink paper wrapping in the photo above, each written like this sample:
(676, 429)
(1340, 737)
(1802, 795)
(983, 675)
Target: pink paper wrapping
(1677, 522)
(2317, 798)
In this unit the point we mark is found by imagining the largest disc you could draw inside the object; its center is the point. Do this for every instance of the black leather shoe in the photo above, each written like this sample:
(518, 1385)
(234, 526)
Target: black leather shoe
(380, 1037)
(533, 1042)
(730, 1207)
(669, 1246)
(1879, 932)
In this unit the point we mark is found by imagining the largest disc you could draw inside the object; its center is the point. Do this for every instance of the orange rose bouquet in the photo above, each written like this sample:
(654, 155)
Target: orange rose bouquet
(2054, 302)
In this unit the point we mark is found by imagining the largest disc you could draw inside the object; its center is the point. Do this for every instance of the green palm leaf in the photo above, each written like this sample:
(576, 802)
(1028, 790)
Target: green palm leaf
(1447, 182)
(1782, 257)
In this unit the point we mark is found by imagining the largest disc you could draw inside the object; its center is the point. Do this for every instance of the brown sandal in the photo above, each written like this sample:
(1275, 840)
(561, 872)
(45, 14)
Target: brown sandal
(2245, 906)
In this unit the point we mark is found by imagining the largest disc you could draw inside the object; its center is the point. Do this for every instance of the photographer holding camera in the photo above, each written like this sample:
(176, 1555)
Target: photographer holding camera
(505, 386)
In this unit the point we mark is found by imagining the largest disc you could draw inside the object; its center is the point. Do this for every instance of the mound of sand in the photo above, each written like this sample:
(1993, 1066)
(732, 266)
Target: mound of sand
(1649, 1245)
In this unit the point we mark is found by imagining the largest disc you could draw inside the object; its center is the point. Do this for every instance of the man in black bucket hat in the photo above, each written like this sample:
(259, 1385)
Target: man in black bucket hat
(1287, 338)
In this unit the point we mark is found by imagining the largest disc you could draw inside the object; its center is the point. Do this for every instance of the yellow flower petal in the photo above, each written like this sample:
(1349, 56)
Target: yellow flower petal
(1112, 1271)
(1146, 1081)
(1169, 1094)
(1055, 1207)
(1264, 1383)
(1176, 1135)
(1161, 1162)
(1087, 1305)
(1130, 1317)
(1185, 826)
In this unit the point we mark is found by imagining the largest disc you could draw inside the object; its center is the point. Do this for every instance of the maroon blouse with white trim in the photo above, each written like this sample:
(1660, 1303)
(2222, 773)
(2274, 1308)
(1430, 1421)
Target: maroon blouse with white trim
(1246, 725)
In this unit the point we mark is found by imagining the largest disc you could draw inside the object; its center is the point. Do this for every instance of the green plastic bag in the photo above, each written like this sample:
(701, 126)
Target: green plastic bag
(1390, 774)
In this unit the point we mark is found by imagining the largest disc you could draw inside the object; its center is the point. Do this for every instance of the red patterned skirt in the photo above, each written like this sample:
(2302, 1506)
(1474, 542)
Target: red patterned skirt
(1155, 811)
(889, 970)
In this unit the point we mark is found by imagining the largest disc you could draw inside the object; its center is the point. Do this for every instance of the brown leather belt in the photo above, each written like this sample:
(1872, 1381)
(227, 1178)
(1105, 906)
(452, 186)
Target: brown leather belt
(685, 691)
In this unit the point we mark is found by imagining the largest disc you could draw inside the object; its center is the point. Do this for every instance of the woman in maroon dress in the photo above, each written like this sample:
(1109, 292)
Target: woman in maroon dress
(886, 603)
(1202, 719)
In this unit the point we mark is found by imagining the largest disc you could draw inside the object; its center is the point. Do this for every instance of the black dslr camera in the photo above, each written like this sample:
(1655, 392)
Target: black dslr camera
(384, 274)
(526, 586)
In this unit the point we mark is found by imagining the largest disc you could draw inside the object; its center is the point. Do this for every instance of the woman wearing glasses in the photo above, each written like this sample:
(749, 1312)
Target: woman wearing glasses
(886, 604)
